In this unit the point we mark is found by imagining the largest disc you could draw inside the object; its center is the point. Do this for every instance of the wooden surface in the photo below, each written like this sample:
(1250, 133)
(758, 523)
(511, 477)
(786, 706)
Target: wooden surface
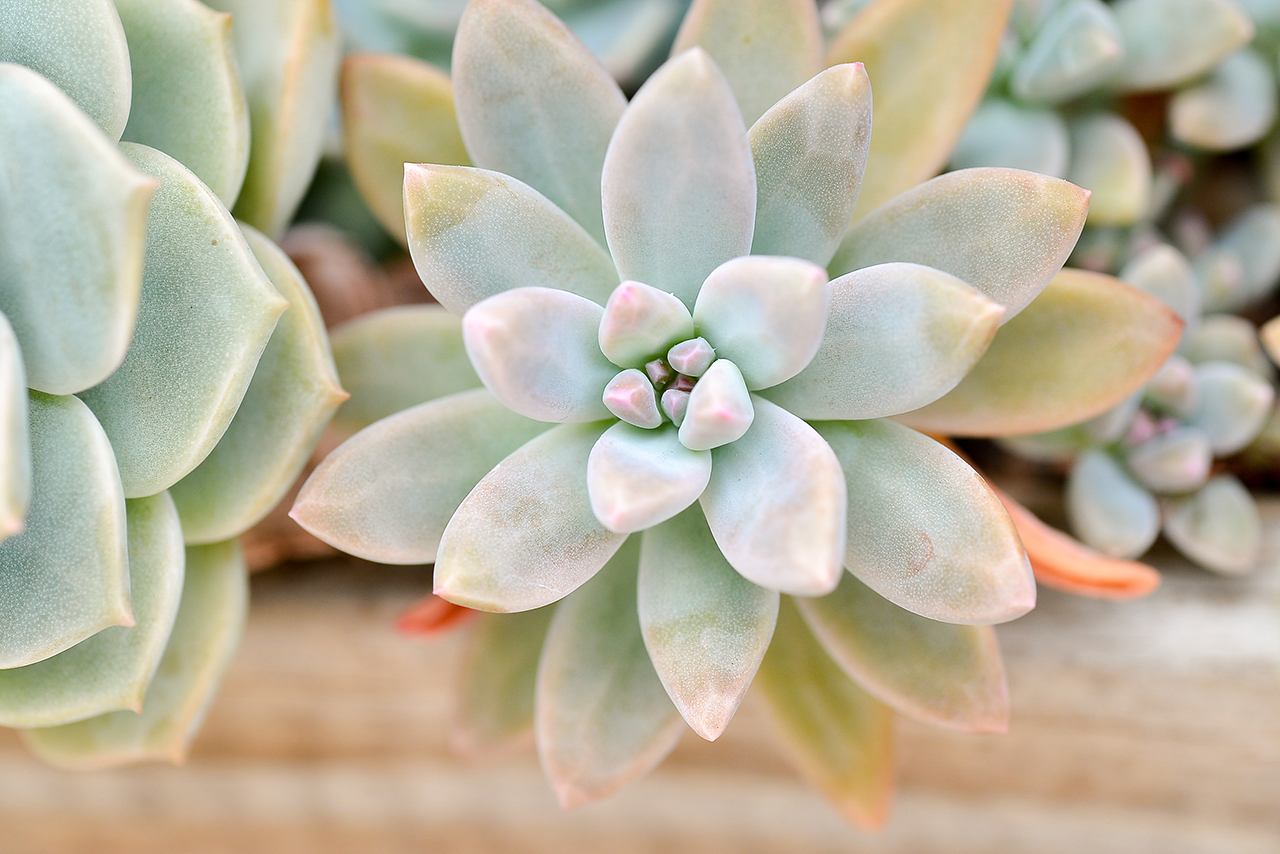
(1151, 726)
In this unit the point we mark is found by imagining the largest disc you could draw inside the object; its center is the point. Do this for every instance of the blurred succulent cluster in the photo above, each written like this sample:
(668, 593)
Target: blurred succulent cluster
(165, 370)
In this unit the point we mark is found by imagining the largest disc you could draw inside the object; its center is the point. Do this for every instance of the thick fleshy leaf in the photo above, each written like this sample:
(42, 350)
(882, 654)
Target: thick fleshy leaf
(1109, 158)
(534, 103)
(1167, 42)
(810, 150)
(206, 313)
(838, 736)
(499, 670)
(766, 48)
(1086, 344)
(288, 54)
(603, 718)
(77, 44)
(74, 217)
(631, 396)
(1269, 335)
(641, 323)
(1218, 526)
(1015, 136)
(1165, 273)
(898, 336)
(765, 314)
(215, 602)
(1234, 108)
(929, 62)
(925, 530)
(705, 626)
(936, 672)
(1234, 404)
(1177, 461)
(1251, 244)
(1077, 47)
(719, 409)
(187, 97)
(1173, 390)
(111, 669)
(776, 504)
(398, 357)
(1226, 338)
(291, 398)
(1002, 231)
(525, 536)
(396, 110)
(1107, 509)
(66, 576)
(473, 234)
(637, 478)
(536, 349)
(15, 436)
(679, 186)
(387, 493)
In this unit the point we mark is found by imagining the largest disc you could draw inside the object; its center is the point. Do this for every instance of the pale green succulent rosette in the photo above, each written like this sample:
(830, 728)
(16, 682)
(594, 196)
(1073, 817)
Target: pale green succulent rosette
(157, 389)
(682, 412)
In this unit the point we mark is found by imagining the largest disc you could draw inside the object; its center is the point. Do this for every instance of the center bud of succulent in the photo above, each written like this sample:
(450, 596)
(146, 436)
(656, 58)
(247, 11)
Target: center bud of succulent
(661, 390)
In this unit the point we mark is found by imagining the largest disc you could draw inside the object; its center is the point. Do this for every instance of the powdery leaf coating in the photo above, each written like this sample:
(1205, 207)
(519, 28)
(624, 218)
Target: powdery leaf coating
(1177, 461)
(206, 632)
(387, 493)
(1075, 49)
(525, 536)
(1109, 158)
(1117, 336)
(637, 478)
(719, 409)
(631, 396)
(602, 715)
(1168, 42)
(1001, 133)
(499, 671)
(536, 349)
(705, 626)
(1233, 108)
(641, 323)
(187, 97)
(395, 110)
(898, 336)
(765, 48)
(1234, 404)
(15, 436)
(534, 103)
(111, 669)
(929, 62)
(776, 504)
(936, 672)
(679, 186)
(74, 219)
(473, 234)
(765, 314)
(1003, 231)
(1217, 526)
(810, 150)
(839, 736)
(66, 576)
(925, 530)
(1107, 509)
(206, 313)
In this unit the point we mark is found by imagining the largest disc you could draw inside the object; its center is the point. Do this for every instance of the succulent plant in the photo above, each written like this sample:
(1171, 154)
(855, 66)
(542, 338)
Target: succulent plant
(165, 371)
(683, 417)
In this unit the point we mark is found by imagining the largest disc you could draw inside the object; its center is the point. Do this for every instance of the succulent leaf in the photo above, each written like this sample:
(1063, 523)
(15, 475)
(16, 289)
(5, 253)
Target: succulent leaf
(1252, 240)
(1177, 461)
(1117, 336)
(602, 715)
(1168, 42)
(525, 536)
(534, 103)
(1107, 509)
(1004, 232)
(1218, 526)
(1234, 404)
(631, 396)
(1226, 338)
(1109, 158)
(74, 217)
(705, 626)
(639, 322)
(1165, 273)
(765, 48)
(1006, 134)
(66, 576)
(810, 150)
(187, 97)
(719, 409)
(929, 62)
(839, 737)
(15, 436)
(1233, 108)
(473, 234)
(898, 336)
(537, 350)
(206, 313)
(499, 670)
(776, 504)
(936, 672)
(387, 493)
(1075, 49)
(637, 478)
(111, 669)
(679, 187)
(925, 530)
(206, 632)
(765, 314)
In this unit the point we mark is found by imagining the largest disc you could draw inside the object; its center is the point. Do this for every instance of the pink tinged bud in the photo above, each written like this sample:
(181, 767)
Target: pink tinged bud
(631, 397)
(1142, 429)
(683, 383)
(720, 409)
(693, 357)
(658, 372)
(675, 403)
